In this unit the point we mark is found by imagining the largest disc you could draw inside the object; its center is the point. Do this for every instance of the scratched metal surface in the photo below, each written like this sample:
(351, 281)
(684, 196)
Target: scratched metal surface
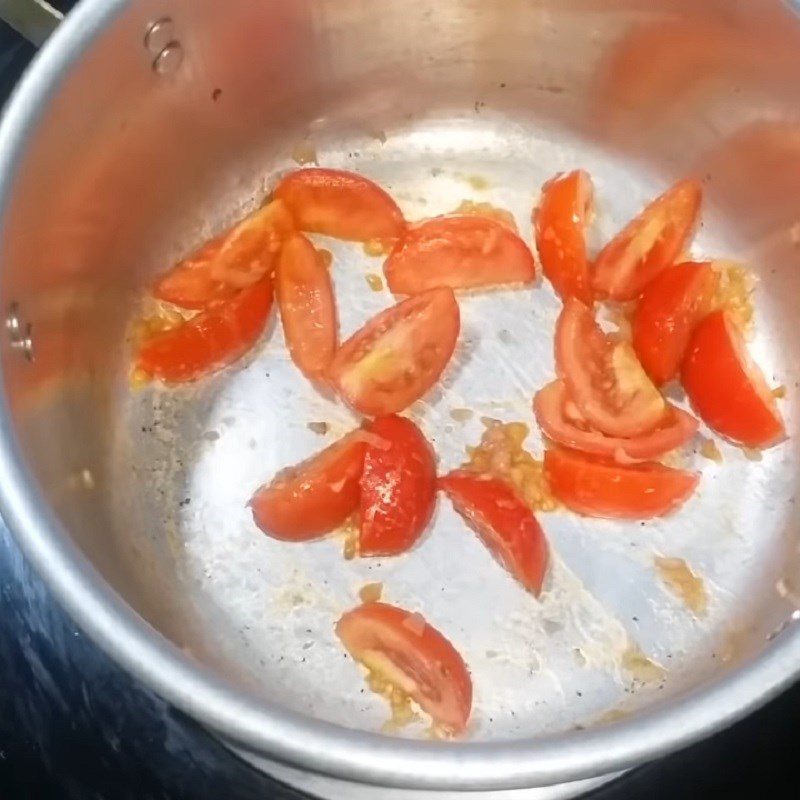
(273, 605)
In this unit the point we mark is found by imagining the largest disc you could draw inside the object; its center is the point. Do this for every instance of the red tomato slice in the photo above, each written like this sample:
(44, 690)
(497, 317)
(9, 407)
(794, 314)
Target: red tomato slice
(341, 204)
(648, 244)
(604, 377)
(552, 408)
(229, 262)
(560, 226)
(462, 252)
(503, 523)
(209, 341)
(399, 354)
(668, 311)
(398, 487)
(726, 388)
(598, 488)
(308, 309)
(314, 497)
(403, 649)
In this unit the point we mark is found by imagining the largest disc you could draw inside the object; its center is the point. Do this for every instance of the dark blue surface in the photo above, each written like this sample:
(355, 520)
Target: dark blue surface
(72, 725)
(75, 727)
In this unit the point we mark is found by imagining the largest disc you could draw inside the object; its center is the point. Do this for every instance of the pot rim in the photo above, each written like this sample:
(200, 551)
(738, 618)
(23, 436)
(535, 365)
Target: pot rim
(264, 728)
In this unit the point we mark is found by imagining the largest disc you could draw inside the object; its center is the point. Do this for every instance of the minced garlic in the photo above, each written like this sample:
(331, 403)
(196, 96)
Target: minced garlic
(501, 454)
(377, 247)
(374, 282)
(304, 153)
(370, 592)
(350, 529)
(641, 667)
(735, 292)
(752, 454)
(683, 583)
(470, 208)
(708, 449)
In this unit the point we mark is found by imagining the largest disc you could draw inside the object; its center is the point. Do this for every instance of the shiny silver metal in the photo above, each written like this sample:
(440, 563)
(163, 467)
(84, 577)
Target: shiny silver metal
(108, 173)
(159, 34)
(19, 332)
(169, 59)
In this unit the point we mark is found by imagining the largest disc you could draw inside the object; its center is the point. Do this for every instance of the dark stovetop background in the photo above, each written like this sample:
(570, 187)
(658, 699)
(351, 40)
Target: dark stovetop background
(74, 726)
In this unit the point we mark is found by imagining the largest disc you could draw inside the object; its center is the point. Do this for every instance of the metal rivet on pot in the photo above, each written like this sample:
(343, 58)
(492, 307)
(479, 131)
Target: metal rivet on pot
(158, 35)
(169, 59)
(19, 333)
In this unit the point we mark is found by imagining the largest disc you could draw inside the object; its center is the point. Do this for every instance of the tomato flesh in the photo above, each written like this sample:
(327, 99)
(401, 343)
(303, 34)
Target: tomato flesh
(209, 341)
(398, 487)
(648, 244)
(413, 656)
(666, 315)
(229, 262)
(307, 305)
(560, 227)
(504, 524)
(604, 377)
(314, 497)
(561, 423)
(599, 488)
(726, 388)
(341, 204)
(462, 252)
(399, 354)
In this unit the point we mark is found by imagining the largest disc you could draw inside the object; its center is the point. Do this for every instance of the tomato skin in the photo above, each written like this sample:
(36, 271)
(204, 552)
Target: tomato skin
(666, 315)
(211, 340)
(397, 356)
(341, 204)
(550, 408)
(648, 244)
(604, 377)
(307, 305)
(595, 487)
(726, 388)
(560, 225)
(462, 252)
(412, 655)
(229, 262)
(504, 524)
(398, 487)
(311, 499)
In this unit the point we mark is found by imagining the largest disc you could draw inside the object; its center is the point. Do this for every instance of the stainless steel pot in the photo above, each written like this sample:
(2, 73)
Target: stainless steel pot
(143, 127)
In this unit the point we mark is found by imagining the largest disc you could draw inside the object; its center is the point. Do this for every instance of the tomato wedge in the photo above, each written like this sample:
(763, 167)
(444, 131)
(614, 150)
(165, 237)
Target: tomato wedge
(462, 252)
(314, 497)
(307, 305)
(209, 341)
(598, 488)
(560, 226)
(398, 487)
(399, 354)
(726, 388)
(604, 377)
(648, 244)
(503, 523)
(560, 421)
(409, 653)
(341, 204)
(668, 311)
(229, 262)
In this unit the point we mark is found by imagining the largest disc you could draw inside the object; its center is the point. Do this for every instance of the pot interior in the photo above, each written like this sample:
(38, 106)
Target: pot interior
(139, 160)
